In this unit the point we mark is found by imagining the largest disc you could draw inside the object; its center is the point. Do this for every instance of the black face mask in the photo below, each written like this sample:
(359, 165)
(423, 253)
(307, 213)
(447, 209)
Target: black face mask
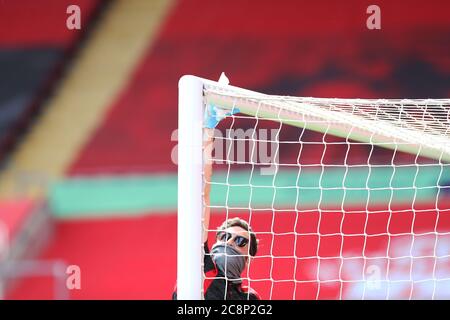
(228, 260)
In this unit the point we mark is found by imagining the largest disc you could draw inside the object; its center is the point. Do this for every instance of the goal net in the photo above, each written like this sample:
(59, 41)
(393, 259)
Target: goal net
(349, 198)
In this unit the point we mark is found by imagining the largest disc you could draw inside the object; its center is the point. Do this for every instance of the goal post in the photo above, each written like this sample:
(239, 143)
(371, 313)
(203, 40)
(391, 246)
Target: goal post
(190, 185)
(318, 213)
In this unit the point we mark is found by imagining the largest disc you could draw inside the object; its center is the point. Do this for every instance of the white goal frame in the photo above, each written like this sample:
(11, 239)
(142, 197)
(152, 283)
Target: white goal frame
(190, 153)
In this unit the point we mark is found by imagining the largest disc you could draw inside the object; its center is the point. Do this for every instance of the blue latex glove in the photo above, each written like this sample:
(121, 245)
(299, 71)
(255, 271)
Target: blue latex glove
(213, 115)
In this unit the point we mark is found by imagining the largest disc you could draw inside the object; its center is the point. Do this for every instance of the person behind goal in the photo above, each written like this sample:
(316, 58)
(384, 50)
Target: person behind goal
(235, 244)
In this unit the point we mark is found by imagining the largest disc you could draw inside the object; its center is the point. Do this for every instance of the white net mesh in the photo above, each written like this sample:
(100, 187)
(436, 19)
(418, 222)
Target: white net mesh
(349, 199)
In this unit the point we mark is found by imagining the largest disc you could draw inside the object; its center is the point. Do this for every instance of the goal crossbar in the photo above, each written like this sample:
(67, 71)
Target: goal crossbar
(416, 126)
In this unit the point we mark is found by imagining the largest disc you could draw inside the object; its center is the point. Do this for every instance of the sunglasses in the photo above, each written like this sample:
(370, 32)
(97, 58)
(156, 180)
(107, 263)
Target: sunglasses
(226, 236)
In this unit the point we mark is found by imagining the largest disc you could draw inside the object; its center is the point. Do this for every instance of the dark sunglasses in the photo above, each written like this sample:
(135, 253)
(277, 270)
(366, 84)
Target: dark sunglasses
(226, 236)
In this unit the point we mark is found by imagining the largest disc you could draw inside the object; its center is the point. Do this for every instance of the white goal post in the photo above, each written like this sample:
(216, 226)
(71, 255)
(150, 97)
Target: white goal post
(418, 127)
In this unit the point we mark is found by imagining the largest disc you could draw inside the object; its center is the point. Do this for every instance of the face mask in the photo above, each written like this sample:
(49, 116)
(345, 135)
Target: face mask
(228, 260)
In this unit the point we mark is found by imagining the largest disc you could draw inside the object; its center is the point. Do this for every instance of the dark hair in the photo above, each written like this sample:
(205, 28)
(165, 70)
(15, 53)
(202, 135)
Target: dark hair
(238, 222)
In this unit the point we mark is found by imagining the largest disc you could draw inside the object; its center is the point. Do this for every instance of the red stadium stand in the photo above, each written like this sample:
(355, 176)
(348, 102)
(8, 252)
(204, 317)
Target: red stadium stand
(321, 50)
(35, 44)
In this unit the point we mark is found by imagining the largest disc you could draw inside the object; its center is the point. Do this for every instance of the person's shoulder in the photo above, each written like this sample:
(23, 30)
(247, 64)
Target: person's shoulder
(252, 294)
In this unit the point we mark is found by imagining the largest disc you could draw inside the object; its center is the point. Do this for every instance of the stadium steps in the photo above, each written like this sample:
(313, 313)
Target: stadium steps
(97, 77)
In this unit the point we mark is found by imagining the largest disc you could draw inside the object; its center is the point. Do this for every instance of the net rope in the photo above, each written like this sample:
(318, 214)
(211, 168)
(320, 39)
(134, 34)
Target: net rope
(339, 215)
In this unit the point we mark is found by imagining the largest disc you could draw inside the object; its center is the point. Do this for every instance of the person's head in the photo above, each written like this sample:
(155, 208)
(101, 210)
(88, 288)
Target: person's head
(237, 233)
